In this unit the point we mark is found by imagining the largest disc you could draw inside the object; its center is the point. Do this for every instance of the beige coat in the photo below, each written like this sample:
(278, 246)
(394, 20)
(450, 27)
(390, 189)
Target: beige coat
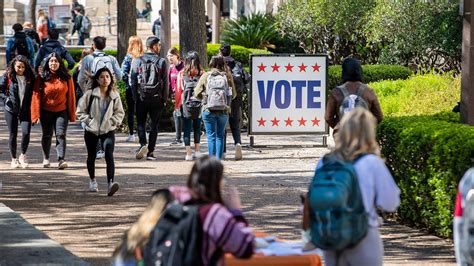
(113, 116)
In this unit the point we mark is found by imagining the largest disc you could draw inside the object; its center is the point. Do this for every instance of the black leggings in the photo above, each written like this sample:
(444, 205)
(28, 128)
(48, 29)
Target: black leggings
(108, 142)
(58, 122)
(12, 123)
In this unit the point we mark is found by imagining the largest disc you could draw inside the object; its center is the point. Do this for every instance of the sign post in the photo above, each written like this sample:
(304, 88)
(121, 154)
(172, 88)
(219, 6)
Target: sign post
(288, 95)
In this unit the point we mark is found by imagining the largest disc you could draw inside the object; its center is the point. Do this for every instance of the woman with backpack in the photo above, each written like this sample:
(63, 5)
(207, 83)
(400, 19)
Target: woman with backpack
(374, 187)
(101, 110)
(189, 106)
(134, 50)
(54, 102)
(17, 85)
(216, 90)
(176, 65)
(42, 25)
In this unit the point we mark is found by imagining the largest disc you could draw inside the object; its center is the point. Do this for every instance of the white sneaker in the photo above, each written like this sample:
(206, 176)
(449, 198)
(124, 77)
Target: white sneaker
(141, 152)
(23, 161)
(113, 187)
(62, 164)
(46, 163)
(15, 163)
(188, 157)
(130, 138)
(197, 154)
(238, 152)
(93, 187)
(100, 155)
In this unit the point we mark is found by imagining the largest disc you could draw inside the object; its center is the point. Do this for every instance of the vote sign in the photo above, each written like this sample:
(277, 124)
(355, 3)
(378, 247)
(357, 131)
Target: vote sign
(288, 94)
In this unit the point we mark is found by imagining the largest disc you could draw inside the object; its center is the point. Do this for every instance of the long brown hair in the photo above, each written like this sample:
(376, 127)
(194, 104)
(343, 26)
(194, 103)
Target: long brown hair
(135, 46)
(192, 64)
(29, 72)
(218, 62)
(95, 81)
(205, 178)
(356, 135)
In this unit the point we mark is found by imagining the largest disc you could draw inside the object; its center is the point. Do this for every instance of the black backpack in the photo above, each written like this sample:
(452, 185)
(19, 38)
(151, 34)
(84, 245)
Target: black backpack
(176, 238)
(149, 78)
(239, 79)
(20, 47)
(191, 105)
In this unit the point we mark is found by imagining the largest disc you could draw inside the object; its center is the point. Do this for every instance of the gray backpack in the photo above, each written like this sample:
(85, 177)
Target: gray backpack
(218, 92)
(351, 101)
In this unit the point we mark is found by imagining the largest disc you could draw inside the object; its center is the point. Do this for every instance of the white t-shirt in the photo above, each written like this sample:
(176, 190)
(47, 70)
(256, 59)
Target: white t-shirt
(21, 88)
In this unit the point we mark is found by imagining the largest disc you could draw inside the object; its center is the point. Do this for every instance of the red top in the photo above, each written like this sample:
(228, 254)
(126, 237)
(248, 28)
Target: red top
(457, 205)
(55, 96)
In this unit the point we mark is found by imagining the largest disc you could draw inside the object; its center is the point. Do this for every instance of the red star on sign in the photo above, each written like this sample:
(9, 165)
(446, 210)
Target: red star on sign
(275, 122)
(289, 122)
(275, 67)
(302, 121)
(261, 67)
(316, 67)
(289, 68)
(261, 122)
(302, 67)
(315, 121)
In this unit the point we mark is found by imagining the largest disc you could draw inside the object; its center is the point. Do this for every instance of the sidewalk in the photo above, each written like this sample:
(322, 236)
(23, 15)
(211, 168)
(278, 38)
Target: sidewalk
(90, 224)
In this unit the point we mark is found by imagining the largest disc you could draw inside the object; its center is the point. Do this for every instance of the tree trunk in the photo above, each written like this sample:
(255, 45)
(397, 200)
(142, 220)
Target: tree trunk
(165, 27)
(33, 12)
(192, 28)
(2, 6)
(126, 27)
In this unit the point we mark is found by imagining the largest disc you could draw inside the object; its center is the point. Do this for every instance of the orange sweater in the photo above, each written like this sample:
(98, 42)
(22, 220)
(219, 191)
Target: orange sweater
(57, 96)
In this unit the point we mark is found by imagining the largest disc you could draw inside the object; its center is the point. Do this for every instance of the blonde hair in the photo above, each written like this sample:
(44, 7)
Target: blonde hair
(138, 234)
(135, 46)
(356, 135)
(27, 25)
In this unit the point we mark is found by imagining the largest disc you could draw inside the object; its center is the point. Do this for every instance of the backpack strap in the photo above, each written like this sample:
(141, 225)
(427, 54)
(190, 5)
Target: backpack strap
(360, 91)
(344, 91)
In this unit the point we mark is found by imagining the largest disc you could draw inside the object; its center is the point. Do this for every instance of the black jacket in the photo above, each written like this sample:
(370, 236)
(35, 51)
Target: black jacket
(50, 46)
(12, 99)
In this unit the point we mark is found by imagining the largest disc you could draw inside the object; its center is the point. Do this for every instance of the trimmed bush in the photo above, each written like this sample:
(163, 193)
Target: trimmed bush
(419, 95)
(427, 156)
(371, 73)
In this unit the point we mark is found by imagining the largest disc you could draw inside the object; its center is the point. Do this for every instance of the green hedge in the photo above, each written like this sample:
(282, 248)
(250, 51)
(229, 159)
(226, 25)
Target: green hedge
(371, 73)
(427, 156)
(76, 53)
(419, 95)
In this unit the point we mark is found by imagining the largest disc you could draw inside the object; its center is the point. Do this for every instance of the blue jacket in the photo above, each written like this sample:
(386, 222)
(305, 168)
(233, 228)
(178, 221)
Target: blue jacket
(126, 67)
(11, 42)
(50, 46)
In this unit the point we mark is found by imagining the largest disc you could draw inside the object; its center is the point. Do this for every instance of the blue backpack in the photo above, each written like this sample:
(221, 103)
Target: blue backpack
(337, 213)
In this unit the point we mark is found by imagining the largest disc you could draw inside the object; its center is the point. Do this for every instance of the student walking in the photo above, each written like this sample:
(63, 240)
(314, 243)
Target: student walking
(190, 107)
(240, 78)
(356, 144)
(100, 109)
(54, 102)
(42, 26)
(135, 50)
(17, 85)
(149, 80)
(176, 65)
(350, 94)
(53, 45)
(216, 89)
(82, 25)
(19, 44)
(31, 32)
(75, 74)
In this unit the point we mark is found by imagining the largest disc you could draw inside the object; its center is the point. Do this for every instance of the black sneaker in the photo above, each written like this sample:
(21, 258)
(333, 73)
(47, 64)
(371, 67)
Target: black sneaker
(175, 142)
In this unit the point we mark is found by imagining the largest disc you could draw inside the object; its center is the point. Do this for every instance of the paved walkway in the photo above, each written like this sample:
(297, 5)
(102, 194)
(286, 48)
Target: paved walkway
(90, 225)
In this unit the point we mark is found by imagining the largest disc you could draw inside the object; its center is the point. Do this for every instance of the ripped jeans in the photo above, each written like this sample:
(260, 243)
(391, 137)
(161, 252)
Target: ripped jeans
(58, 122)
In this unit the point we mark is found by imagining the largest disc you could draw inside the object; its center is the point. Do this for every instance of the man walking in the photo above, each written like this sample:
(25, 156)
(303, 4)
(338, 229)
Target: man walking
(240, 79)
(19, 44)
(53, 45)
(149, 83)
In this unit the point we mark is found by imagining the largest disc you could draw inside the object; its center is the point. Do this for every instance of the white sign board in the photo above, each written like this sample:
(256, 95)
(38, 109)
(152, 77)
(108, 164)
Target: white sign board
(288, 94)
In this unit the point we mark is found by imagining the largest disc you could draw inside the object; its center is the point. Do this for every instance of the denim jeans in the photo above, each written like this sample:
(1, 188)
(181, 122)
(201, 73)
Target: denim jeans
(178, 123)
(191, 125)
(215, 129)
